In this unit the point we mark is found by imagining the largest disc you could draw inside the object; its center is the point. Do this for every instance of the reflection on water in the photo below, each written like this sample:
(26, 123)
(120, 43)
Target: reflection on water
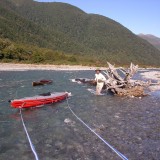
(131, 125)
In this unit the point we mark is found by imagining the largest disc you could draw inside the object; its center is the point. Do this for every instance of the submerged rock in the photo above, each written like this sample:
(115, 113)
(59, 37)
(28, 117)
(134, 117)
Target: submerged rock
(69, 122)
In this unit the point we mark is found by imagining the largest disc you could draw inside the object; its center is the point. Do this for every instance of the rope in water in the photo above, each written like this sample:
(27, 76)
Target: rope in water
(112, 148)
(28, 137)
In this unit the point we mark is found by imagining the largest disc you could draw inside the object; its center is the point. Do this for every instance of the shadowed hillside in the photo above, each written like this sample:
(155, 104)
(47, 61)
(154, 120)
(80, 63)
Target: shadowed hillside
(155, 41)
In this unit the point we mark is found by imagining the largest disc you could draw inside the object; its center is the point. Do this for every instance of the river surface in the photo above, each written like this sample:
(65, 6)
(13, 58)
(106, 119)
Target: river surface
(131, 125)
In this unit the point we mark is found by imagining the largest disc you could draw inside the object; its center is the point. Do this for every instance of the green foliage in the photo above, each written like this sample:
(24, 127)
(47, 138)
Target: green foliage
(72, 59)
(71, 36)
(4, 43)
(13, 52)
(37, 58)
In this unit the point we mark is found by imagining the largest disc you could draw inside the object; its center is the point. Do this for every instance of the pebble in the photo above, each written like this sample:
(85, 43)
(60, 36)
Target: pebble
(48, 145)
(69, 122)
(116, 116)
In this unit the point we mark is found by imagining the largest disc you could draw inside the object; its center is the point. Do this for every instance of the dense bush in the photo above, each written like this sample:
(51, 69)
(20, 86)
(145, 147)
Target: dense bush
(13, 52)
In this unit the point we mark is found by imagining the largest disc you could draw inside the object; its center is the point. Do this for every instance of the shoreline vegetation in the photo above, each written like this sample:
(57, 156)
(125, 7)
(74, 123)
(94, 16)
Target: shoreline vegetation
(15, 53)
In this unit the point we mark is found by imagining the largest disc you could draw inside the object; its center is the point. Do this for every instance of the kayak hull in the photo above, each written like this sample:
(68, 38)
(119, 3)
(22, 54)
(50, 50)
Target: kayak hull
(40, 100)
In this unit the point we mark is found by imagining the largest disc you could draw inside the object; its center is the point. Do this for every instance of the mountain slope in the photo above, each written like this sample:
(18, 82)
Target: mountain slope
(155, 41)
(15, 26)
(66, 28)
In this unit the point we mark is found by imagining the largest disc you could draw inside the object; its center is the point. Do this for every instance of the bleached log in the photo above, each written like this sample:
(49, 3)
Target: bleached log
(124, 86)
(114, 73)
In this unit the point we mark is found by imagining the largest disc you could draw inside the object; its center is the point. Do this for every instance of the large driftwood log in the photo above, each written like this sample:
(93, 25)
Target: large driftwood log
(125, 86)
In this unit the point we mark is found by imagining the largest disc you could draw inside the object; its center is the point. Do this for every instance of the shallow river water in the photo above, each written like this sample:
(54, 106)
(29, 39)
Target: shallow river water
(131, 125)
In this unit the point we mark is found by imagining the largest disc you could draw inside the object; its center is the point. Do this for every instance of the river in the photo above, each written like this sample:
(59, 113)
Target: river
(131, 125)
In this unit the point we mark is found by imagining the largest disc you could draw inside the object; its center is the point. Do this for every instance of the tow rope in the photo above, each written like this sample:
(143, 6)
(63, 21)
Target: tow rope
(28, 137)
(111, 147)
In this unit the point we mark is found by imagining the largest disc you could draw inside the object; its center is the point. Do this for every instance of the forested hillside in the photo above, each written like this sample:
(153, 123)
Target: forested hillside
(66, 29)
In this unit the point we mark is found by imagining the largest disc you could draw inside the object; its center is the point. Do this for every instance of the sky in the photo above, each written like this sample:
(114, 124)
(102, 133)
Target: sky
(139, 16)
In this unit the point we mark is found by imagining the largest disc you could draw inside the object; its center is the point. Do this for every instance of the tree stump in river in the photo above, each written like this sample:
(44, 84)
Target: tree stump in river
(123, 85)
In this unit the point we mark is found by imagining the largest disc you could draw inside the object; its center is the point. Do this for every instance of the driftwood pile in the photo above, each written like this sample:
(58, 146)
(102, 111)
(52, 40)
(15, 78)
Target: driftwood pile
(120, 82)
(123, 85)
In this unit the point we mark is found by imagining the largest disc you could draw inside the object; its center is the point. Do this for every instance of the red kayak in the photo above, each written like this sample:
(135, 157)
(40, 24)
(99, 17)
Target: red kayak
(39, 100)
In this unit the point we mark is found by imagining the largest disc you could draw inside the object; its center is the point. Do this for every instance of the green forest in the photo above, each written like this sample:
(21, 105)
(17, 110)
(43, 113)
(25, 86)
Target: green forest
(59, 33)
(20, 53)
